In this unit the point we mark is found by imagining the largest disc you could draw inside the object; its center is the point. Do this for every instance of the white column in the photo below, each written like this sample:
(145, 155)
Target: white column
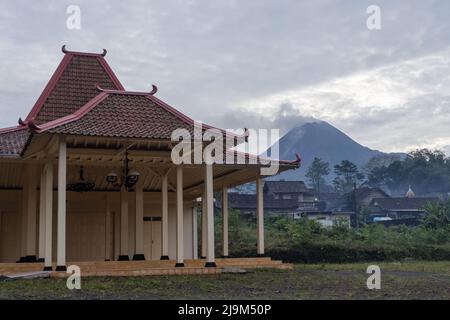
(124, 225)
(48, 215)
(29, 206)
(139, 233)
(107, 228)
(23, 219)
(260, 215)
(41, 252)
(61, 231)
(180, 220)
(165, 218)
(194, 232)
(116, 234)
(204, 223)
(30, 254)
(225, 221)
(210, 259)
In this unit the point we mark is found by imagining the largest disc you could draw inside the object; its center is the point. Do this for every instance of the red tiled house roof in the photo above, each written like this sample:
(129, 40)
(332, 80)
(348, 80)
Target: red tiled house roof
(13, 140)
(72, 86)
(145, 118)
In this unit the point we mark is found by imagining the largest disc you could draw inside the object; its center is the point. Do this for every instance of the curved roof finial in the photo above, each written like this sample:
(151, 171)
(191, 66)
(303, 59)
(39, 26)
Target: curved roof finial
(21, 122)
(154, 89)
(104, 52)
(63, 49)
(298, 159)
(97, 86)
(246, 134)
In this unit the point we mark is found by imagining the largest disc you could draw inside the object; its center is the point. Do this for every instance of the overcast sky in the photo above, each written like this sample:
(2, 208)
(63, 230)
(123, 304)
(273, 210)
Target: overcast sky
(252, 63)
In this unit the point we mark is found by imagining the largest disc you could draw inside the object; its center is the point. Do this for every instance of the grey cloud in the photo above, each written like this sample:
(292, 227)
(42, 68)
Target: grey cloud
(206, 56)
(285, 118)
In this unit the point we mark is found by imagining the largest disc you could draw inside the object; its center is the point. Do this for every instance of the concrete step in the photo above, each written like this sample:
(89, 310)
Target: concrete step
(148, 267)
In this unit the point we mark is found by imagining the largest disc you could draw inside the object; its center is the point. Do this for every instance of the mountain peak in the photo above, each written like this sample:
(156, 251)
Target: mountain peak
(320, 139)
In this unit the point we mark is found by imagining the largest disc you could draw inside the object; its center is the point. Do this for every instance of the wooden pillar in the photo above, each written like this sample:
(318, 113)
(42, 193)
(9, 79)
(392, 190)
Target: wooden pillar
(165, 218)
(41, 251)
(61, 226)
(260, 216)
(194, 232)
(139, 233)
(31, 215)
(180, 220)
(210, 259)
(225, 221)
(48, 215)
(107, 228)
(29, 223)
(204, 223)
(116, 234)
(124, 225)
(23, 219)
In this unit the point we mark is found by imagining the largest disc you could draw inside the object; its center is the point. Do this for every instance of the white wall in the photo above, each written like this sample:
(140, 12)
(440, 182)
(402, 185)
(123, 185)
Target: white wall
(93, 204)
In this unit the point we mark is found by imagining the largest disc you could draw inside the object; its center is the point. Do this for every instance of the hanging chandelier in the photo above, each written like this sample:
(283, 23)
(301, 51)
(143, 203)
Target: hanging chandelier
(127, 179)
(82, 185)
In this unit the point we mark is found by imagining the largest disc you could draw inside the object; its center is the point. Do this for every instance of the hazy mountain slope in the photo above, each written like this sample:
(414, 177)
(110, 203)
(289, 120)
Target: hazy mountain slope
(320, 139)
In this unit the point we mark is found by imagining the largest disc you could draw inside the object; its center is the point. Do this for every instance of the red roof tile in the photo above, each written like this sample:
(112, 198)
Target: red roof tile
(72, 86)
(13, 140)
(71, 104)
(120, 115)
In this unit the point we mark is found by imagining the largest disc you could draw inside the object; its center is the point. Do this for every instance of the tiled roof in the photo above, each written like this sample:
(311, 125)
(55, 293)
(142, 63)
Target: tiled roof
(12, 141)
(364, 192)
(248, 201)
(72, 103)
(72, 86)
(124, 115)
(402, 203)
(286, 186)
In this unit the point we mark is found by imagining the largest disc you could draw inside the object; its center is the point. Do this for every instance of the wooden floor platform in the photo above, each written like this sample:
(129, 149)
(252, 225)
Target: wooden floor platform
(150, 267)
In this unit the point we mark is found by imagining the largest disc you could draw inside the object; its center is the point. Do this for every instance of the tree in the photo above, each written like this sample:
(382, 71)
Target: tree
(427, 171)
(347, 175)
(382, 160)
(316, 173)
(438, 216)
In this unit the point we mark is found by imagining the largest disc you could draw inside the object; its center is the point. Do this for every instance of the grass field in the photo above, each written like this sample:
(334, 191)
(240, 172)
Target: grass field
(411, 280)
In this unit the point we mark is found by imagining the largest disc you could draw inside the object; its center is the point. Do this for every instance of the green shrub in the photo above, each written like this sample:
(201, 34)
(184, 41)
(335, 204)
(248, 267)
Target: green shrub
(306, 241)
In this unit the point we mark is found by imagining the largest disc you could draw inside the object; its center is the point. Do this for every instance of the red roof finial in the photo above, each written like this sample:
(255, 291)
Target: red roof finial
(154, 90)
(246, 134)
(97, 86)
(21, 122)
(298, 159)
(64, 50)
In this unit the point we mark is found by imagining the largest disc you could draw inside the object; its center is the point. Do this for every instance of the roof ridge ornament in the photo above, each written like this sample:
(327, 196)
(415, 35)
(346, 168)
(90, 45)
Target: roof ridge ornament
(154, 90)
(97, 86)
(298, 159)
(64, 50)
(22, 123)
